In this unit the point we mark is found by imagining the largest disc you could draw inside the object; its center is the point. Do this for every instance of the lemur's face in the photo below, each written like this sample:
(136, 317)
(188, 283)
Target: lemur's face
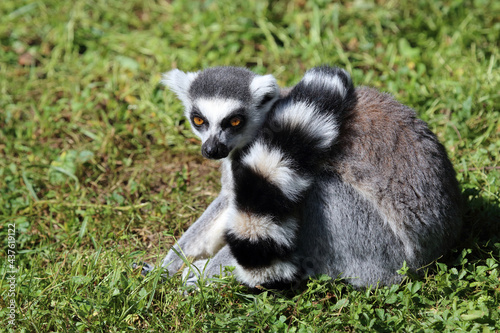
(225, 105)
(222, 124)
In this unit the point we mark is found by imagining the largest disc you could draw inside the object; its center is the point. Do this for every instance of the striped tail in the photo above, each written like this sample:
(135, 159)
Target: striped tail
(272, 175)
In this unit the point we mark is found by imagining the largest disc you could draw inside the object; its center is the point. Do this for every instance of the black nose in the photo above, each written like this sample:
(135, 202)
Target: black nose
(214, 151)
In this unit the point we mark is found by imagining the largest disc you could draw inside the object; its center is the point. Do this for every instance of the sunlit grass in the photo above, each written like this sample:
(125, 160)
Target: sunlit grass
(98, 169)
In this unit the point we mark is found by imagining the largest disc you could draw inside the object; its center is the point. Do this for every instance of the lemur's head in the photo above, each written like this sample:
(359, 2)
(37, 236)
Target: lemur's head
(225, 105)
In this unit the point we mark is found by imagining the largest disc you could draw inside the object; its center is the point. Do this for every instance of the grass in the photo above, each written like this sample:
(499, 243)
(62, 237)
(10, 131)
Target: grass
(98, 169)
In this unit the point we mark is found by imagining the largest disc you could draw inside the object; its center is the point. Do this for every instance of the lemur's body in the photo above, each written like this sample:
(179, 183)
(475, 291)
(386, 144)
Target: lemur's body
(326, 180)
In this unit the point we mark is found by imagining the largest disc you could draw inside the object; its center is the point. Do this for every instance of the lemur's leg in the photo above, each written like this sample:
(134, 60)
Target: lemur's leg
(202, 240)
(272, 175)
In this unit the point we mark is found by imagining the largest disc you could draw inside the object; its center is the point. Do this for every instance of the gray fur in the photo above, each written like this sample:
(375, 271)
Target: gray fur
(387, 195)
(231, 82)
(346, 236)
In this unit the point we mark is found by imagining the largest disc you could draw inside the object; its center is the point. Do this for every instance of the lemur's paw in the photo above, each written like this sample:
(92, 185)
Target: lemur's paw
(145, 267)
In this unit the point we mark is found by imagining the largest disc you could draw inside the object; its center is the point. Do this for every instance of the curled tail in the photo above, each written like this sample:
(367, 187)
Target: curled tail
(272, 175)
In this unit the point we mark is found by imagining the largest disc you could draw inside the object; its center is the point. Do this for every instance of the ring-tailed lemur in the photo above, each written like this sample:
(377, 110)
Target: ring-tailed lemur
(323, 179)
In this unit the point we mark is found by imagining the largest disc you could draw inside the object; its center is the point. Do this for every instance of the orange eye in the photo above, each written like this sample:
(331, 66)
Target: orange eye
(198, 121)
(235, 122)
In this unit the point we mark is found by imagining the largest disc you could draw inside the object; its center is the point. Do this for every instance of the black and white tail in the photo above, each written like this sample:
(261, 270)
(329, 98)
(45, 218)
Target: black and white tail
(273, 173)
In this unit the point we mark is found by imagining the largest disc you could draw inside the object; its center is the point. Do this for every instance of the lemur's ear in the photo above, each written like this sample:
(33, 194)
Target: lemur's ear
(179, 82)
(264, 90)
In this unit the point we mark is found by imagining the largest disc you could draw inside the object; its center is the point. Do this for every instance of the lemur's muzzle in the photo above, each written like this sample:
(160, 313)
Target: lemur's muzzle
(214, 149)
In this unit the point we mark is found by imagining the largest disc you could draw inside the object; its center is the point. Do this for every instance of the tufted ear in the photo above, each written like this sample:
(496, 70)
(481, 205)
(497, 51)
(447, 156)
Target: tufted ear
(264, 90)
(179, 82)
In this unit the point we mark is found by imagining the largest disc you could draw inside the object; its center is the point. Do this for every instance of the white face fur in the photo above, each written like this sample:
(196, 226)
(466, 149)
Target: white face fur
(224, 123)
(221, 123)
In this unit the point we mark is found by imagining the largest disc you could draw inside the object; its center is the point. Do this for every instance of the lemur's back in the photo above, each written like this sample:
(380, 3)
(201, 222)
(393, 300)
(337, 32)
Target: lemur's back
(391, 181)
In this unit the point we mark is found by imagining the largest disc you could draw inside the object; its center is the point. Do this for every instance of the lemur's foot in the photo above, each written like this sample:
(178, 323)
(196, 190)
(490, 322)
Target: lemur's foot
(191, 275)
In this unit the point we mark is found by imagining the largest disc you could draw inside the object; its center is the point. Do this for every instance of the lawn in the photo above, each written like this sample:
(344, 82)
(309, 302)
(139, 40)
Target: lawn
(98, 168)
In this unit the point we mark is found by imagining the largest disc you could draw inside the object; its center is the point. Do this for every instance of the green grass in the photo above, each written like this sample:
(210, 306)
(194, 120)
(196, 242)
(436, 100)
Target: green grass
(98, 169)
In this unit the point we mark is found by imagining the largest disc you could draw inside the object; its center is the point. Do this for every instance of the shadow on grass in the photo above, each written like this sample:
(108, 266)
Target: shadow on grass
(481, 228)
(481, 217)
(480, 231)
